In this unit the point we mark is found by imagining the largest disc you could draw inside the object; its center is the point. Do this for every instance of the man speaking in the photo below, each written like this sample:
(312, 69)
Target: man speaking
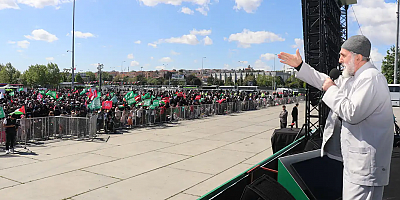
(359, 128)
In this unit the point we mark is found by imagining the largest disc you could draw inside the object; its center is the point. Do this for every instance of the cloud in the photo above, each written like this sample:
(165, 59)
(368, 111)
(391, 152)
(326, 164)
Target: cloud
(166, 59)
(41, 34)
(43, 3)
(134, 63)
(138, 42)
(187, 10)
(152, 44)
(375, 55)
(379, 27)
(299, 44)
(11, 42)
(160, 67)
(260, 65)
(173, 2)
(246, 38)
(226, 66)
(19, 50)
(130, 56)
(208, 41)
(267, 56)
(203, 32)
(6, 4)
(247, 5)
(175, 53)
(79, 34)
(185, 39)
(203, 10)
(152, 57)
(49, 58)
(23, 44)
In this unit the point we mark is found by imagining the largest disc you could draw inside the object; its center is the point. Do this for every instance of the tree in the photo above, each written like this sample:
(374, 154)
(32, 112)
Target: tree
(53, 75)
(250, 80)
(193, 80)
(35, 75)
(141, 79)
(106, 76)
(8, 74)
(388, 66)
(293, 82)
(279, 81)
(79, 79)
(152, 81)
(210, 80)
(229, 81)
(91, 76)
(262, 80)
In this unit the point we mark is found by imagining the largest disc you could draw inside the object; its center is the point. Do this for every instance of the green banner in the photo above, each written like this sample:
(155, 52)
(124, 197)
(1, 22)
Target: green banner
(2, 114)
(147, 102)
(11, 93)
(96, 104)
(131, 101)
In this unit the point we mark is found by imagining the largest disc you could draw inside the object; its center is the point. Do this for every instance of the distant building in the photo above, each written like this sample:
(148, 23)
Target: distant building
(236, 74)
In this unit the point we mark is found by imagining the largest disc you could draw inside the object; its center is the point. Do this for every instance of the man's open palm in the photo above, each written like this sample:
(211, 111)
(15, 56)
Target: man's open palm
(293, 60)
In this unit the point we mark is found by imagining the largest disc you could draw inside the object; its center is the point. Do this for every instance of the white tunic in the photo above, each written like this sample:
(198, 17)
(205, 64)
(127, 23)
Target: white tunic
(367, 131)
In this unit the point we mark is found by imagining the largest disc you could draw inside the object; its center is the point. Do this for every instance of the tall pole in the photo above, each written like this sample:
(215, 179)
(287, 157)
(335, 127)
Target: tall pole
(273, 77)
(397, 45)
(202, 70)
(100, 66)
(73, 46)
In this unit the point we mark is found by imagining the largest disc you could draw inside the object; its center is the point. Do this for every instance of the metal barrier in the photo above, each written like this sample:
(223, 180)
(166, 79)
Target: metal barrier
(45, 128)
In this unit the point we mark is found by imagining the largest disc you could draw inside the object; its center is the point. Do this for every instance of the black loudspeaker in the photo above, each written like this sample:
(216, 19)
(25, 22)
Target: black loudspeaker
(313, 144)
(322, 177)
(266, 188)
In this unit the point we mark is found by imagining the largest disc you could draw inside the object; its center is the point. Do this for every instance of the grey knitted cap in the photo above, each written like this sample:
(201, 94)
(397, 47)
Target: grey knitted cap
(358, 44)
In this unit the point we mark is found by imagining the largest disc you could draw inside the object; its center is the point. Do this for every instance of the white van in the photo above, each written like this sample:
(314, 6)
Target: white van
(395, 94)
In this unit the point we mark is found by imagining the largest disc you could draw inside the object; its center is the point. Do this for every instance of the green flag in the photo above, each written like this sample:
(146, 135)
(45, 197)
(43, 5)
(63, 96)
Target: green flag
(114, 99)
(153, 97)
(131, 101)
(11, 93)
(153, 107)
(83, 92)
(42, 92)
(156, 102)
(96, 104)
(158, 98)
(52, 94)
(129, 95)
(2, 114)
(20, 89)
(147, 96)
(112, 94)
(147, 102)
(99, 94)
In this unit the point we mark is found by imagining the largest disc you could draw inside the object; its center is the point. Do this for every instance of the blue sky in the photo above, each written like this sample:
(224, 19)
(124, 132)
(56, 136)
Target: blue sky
(176, 33)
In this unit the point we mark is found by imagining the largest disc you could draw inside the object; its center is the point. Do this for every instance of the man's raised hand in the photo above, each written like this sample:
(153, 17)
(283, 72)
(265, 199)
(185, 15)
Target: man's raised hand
(293, 60)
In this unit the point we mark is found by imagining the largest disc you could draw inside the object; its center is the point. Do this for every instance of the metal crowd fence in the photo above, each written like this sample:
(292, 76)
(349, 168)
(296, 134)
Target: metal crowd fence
(147, 117)
(61, 127)
(53, 127)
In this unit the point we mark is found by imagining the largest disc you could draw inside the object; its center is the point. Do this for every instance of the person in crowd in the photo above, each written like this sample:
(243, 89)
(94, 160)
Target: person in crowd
(11, 127)
(295, 113)
(283, 117)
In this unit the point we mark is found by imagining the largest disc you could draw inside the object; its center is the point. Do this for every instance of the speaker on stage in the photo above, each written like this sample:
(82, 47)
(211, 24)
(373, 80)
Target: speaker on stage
(285, 136)
(266, 188)
(309, 176)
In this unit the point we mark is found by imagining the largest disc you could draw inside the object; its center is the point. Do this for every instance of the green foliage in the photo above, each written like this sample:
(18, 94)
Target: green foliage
(91, 76)
(229, 81)
(250, 80)
(193, 80)
(293, 82)
(79, 79)
(43, 75)
(8, 74)
(388, 66)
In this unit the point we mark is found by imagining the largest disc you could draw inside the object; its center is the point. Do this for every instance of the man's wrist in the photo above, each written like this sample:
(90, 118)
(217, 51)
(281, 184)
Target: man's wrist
(298, 67)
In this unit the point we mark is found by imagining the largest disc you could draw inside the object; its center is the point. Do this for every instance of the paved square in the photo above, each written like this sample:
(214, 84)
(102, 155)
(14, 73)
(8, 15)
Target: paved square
(181, 161)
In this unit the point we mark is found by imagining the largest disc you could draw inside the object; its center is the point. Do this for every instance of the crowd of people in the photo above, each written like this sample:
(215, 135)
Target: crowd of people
(39, 103)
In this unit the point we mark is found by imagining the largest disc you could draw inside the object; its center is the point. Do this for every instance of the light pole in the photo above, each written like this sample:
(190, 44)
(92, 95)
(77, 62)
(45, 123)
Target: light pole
(397, 45)
(169, 78)
(273, 77)
(122, 64)
(202, 73)
(100, 66)
(73, 46)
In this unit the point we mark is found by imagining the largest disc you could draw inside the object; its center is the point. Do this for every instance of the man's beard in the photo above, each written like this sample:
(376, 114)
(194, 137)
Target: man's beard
(349, 69)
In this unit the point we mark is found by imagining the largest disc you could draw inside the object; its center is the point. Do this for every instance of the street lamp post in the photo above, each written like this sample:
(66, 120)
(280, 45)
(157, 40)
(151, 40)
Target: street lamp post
(122, 64)
(273, 77)
(73, 46)
(202, 70)
(100, 66)
(169, 78)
